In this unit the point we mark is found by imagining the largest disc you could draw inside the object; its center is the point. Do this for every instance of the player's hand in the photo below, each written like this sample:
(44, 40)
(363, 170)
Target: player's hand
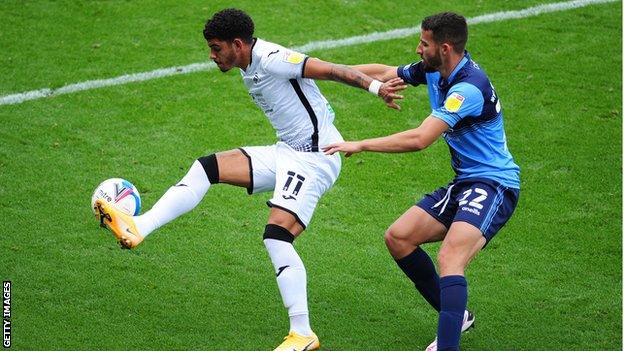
(388, 92)
(348, 147)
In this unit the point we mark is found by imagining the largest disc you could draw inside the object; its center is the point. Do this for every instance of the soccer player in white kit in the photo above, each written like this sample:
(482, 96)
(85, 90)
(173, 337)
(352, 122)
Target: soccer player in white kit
(280, 82)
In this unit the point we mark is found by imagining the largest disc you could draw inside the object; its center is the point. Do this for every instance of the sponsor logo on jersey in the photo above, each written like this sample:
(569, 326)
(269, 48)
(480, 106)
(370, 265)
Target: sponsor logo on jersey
(454, 102)
(293, 57)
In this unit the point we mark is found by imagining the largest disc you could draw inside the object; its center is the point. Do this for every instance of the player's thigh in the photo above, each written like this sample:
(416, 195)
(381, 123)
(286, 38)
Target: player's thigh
(233, 168)
(416, 226)
(252, 167)
(301, 179)
(462, 242)
(487, 205)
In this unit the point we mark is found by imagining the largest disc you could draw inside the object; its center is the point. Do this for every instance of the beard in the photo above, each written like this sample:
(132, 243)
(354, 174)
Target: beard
(432, 64)
(223, 69)
(226, 63)
(224, 66)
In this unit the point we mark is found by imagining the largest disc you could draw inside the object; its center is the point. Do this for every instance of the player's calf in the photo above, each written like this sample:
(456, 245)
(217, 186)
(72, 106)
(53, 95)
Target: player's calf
(291, 279)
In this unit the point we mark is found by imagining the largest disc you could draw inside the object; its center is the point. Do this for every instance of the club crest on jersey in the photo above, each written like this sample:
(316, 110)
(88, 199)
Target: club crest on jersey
(454, 102)
(293, 57)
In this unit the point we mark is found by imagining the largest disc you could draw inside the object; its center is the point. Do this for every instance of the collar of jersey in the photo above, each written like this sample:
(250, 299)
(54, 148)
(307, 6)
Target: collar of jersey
(255, 40)
(460, 65)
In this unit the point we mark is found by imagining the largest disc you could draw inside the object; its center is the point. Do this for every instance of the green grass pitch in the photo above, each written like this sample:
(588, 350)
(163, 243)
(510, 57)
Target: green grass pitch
(550, 280)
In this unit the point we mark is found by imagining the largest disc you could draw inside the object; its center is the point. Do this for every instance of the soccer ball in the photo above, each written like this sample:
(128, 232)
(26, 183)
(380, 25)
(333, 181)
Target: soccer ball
(119, 193)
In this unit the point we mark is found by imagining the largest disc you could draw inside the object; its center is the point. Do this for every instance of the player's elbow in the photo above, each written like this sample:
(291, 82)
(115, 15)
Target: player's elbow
(420, 138)
(417, 144)
(418, 141)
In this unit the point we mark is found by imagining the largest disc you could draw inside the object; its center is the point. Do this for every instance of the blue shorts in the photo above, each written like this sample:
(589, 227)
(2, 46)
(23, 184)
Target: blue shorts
(484, 203)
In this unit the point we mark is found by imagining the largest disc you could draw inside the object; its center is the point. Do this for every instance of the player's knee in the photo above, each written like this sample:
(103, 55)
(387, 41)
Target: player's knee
(276, 232)
(450, 261)
(394, 236)
(389, 237)
(443, 257)
(396, 244)
(211, 167)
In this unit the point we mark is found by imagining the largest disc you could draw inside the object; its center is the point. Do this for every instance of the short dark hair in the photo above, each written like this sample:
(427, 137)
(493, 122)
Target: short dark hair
(448, 27)
(228, 25)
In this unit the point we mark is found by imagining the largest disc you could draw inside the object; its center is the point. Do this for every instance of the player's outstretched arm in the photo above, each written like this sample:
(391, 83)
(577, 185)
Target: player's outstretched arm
(388, 91)
(410, 140)
(377, 71)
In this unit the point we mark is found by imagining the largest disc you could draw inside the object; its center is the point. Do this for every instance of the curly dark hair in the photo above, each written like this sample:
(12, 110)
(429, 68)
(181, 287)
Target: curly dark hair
(228, 25)
(448, 27)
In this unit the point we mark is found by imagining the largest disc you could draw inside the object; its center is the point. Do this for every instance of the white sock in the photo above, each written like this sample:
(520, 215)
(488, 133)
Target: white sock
(178, 200)
(291, 281)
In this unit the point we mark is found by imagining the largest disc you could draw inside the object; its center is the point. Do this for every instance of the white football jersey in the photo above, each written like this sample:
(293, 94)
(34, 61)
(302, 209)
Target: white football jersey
(300, 114)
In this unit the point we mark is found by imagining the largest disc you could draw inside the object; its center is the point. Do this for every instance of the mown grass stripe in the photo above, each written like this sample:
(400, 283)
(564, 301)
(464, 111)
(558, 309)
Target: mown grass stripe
(312, 46)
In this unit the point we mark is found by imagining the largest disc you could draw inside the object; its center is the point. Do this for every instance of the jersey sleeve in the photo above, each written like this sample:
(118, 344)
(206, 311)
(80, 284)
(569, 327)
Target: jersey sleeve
(463, 100)
(285, 63)
(413, 73)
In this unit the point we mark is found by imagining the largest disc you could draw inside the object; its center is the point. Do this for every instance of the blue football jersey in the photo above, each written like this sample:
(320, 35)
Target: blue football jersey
(468, 103)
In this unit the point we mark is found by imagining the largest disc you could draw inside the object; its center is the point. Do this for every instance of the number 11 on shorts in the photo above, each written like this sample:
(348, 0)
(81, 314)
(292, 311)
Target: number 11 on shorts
(300, 179)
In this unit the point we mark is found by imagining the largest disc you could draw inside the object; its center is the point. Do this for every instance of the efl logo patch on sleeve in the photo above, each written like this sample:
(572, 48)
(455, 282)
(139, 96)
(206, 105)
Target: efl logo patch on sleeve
(294, 57)
(454, 102)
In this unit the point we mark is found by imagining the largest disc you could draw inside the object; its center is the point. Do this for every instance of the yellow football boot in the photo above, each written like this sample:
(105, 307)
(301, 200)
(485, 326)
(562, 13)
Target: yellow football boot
(296, 342)
(121, 224)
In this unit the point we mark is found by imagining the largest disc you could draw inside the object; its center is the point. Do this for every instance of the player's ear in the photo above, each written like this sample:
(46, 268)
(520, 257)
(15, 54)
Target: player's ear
(238, 43)
(446, 48)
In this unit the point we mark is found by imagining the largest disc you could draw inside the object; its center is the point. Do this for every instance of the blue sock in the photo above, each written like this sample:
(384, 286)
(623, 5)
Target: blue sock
(421, 271)
(453, 298)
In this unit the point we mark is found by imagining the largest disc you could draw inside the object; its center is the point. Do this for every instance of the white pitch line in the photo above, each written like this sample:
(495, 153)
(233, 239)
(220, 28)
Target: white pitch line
(312, 46)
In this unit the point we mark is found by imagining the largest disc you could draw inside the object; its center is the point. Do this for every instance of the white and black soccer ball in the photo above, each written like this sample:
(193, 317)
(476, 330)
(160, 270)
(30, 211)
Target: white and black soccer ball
(119, 193)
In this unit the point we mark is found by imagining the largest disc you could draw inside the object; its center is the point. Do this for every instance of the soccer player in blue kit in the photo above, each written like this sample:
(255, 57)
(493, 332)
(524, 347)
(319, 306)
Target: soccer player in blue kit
(467, 213)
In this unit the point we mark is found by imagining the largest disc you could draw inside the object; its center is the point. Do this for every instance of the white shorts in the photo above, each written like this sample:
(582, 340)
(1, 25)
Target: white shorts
(297, 179)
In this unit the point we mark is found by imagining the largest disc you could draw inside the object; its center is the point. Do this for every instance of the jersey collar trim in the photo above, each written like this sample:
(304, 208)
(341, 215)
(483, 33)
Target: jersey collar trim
(255, 40)
(460, 65)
